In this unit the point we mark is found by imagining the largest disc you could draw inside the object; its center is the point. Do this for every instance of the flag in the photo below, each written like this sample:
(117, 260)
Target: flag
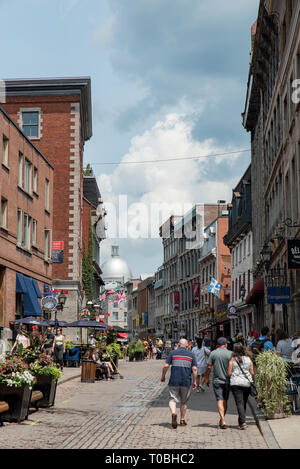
(122, 297)
(176, 298)
(214, 287)
(196, 288)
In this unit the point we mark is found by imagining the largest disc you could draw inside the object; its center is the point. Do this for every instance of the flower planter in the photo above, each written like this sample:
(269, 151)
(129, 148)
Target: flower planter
(18, 400)
(47, 385)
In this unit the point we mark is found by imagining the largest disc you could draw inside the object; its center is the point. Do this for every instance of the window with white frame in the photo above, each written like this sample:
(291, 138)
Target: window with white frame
(26, 231)
(47, 245)
(5, 150)
(27, 176)
(20, 170)
(19, 228)
(3, 219)
(35, 180)
(30, 123)
(47, 195)
(115, 315)
(34, 232)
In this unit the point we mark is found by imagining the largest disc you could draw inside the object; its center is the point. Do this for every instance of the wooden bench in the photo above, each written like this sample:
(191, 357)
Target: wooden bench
(35, 397)
(4, 407)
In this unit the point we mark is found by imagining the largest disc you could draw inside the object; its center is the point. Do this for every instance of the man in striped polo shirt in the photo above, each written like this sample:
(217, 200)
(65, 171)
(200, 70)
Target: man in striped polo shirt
(183, 365)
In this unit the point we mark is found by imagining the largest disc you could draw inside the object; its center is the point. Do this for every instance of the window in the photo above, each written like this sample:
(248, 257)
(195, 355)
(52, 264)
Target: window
(3, 219)
(47, 245)
(34, 232)
(115, 315)
(125, 316)
(19, 228)
(30, 121)
(47, 195)
(26, 231)
(27, 176)
(5, 150)
(20, 170)
(35, 179)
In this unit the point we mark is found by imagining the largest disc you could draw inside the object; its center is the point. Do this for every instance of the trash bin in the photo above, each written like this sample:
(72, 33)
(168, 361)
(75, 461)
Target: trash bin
(88, 371)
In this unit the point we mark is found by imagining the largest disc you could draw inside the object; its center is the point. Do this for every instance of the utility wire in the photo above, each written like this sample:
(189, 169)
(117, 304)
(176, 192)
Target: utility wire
(172, 159)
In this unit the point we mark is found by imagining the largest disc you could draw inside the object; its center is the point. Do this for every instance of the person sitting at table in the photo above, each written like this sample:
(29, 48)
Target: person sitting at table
(104, 367)
(21, 339)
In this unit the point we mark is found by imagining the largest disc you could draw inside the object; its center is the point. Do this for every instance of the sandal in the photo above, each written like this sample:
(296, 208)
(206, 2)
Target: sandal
(174, 420)
(183, 423)
(242, 427)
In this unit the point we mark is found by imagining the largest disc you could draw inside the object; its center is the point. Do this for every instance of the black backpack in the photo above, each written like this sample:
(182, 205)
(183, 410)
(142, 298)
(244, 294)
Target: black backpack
(258, 346)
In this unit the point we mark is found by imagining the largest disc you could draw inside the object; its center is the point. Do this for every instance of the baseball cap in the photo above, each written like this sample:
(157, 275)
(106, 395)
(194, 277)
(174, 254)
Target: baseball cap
(222, 341)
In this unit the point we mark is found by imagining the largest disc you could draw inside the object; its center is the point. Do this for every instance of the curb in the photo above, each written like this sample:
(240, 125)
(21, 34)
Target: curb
(65, 380)
(263, 425)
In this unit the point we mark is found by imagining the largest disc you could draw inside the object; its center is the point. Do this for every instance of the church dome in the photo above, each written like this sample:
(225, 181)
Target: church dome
(116, 267)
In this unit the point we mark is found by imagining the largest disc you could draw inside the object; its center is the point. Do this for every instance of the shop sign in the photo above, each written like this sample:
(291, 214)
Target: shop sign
(57, 252)
(232, 312)
(293, 254)
(279, 295)
(49, 302)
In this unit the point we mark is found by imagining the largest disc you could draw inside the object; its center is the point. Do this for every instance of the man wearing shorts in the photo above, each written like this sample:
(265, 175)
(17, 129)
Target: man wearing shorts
(183, 365)
(219, 361)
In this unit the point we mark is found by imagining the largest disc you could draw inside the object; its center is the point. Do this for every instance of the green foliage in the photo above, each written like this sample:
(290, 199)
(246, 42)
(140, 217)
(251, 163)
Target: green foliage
(30, 354)
(69, 344)
(131, 349)
(139, 347)
(88, 268)
(44, 365)
(114, 349)
(270, 378)
(111, 336)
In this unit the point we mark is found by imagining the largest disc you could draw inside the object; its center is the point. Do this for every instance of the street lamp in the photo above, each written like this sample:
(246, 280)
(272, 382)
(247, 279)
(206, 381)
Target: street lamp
(266, 254)
(62, 300)
(242, 292)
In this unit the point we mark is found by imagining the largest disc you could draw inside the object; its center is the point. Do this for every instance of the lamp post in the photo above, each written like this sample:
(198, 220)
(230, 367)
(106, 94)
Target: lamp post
(62, 298)
(242, 292)
(266, 254)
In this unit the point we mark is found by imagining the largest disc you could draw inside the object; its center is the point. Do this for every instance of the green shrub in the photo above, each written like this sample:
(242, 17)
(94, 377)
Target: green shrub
(270, 378)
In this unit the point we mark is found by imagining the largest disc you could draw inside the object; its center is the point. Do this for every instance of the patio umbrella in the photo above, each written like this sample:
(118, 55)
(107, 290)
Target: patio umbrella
(53, 323)
(30, 320)
(85, 323)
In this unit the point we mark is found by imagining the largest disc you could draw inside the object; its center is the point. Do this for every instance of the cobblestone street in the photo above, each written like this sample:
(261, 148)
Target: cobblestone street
(128, 413)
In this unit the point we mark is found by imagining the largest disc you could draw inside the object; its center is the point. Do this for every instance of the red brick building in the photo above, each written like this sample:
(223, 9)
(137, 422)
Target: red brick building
(26, 222)
(56, 116)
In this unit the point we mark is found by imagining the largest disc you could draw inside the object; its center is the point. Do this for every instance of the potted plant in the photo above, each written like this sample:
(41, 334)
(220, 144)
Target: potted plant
(139, 351)
(270, 379)
(131, 351)
(16, 383)
(47, 374)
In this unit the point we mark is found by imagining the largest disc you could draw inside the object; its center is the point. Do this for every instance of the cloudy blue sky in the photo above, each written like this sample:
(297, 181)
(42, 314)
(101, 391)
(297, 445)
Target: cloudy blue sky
(168, 80)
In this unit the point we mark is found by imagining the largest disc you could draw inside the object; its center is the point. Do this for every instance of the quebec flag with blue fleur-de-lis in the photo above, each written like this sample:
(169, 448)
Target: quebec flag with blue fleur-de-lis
(214, 287)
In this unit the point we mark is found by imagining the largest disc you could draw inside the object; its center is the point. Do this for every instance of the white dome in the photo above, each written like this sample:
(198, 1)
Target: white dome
(115, 267)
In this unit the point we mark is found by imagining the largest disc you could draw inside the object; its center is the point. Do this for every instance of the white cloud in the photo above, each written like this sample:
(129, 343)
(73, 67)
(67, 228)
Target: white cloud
(183, 183)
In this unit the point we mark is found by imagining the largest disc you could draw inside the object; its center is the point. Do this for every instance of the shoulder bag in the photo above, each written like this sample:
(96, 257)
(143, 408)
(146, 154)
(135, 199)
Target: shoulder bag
(253, 390)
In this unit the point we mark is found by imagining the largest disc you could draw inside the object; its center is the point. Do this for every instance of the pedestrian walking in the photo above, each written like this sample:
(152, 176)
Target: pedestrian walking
(48, 344)
(59, 348)
(262, 343)
(201, 353)
(150, 351)
(241, 373)
(284, 346)
(219, 361)
(183, 365)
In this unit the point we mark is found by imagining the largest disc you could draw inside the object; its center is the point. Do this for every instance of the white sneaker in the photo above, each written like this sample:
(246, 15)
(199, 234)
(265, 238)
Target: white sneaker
(201, 387)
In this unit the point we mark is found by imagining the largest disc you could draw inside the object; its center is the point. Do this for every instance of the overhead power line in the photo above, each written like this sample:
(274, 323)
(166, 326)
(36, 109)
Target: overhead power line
(184, 158)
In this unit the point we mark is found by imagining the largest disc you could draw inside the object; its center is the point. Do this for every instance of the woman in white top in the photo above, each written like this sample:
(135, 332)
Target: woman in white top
(284, 346)
(201, 353)
(21, 339)
(241, 374)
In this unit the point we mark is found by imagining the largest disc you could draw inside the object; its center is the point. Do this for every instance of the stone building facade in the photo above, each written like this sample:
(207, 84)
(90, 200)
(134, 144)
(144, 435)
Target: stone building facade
(272, 116)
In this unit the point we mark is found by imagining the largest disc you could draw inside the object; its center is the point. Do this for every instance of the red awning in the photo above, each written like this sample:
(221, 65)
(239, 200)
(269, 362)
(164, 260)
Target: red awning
(122, 335)
(257, 292)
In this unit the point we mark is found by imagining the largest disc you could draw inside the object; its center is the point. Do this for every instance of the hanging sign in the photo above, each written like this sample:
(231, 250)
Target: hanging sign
(279, 295)
(293, 254)
(196, 288)
(232, 312)
(49, 302)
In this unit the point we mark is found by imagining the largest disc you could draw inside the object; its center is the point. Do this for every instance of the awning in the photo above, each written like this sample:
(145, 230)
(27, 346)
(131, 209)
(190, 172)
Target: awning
(257, 292)
(204, 330)
(122, 335)
(31, 306)
(20, 284)
(36, 287)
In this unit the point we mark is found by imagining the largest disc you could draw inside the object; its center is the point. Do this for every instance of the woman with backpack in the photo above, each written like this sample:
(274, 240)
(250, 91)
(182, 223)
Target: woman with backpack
(241, 373)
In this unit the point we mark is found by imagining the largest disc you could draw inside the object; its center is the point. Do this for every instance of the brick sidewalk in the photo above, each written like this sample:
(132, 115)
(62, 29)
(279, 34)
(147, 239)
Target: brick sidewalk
(128, 413)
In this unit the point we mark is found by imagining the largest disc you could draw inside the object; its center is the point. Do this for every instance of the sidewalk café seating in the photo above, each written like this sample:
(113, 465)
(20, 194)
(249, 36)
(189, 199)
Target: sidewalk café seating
(36, 396)
(72, 357)
(4, 407)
